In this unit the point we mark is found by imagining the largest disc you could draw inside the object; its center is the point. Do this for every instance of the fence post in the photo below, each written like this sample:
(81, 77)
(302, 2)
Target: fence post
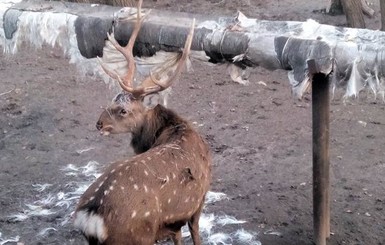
(321, 162)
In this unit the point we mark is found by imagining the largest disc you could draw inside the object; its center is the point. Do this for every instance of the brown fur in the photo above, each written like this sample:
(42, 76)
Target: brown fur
(152, 195)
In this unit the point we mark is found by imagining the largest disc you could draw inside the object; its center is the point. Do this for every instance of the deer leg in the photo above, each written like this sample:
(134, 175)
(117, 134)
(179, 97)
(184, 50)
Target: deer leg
(193, 225)
(177, 237)
(92, 241)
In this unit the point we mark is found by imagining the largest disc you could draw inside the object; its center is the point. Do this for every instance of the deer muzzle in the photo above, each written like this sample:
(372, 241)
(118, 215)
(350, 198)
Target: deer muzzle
(104, 130)
(99, 125)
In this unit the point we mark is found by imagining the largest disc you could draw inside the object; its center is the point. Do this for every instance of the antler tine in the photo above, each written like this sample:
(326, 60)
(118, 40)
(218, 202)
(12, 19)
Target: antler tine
(162, 85)
(127, 51)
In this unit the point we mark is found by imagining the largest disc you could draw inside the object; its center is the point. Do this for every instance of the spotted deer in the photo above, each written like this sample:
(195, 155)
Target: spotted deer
(149, 197)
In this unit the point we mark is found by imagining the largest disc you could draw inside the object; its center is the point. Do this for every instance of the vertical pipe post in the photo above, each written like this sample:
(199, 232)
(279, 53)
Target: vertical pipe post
(382, 8)
(321, 162)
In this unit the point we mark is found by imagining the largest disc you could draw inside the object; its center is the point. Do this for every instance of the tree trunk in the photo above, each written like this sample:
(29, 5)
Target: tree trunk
(382, 6)
(354, 14)
(335, 7)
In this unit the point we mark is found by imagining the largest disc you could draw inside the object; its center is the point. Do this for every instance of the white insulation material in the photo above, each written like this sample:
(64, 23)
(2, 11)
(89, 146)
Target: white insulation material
(4, 6)
(357, 55)
(38, 28)
(56, 30)
(9, 240)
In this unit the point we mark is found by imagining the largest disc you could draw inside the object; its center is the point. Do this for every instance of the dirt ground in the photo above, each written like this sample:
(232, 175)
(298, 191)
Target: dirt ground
(260, 137)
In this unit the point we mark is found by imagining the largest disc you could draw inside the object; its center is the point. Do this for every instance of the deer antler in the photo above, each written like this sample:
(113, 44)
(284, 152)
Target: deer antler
(126, 81)
(153, 83)
(180, 62)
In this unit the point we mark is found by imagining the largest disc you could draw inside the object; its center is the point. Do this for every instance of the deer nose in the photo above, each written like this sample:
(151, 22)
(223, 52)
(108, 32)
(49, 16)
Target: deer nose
(99, 125)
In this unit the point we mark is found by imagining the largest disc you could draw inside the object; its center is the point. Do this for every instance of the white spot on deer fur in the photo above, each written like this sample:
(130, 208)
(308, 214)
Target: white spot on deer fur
(111, 187)
(101, 183)
(127, 167)
(169, 200)
(126, 161)
(135, 163)
(106, 192)
(145, 172)
(122, 187)
(184, 139)
(149, 158)
(173, 176)
(114, 181)
(120, 173)
(133, 215)
(142, 161)
(157, 202)
(92, 198)
(163, 161)
(91, 224)
(136, 187)
(97, 189)
(145, 188)
(174, 192)
(187, 199)
(131, 179)
(146, 214)
(101, 201)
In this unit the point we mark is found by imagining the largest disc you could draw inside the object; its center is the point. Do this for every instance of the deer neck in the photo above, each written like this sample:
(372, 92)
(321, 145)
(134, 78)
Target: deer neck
(160, 126)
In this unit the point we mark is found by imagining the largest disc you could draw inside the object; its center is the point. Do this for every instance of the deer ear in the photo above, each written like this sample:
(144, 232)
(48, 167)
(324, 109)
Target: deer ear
(152, 100)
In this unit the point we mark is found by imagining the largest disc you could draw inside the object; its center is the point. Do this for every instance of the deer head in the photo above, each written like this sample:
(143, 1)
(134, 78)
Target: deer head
(129, 107)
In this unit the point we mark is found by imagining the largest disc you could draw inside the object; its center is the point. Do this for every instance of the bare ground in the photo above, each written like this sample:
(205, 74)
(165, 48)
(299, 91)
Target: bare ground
(260, 137)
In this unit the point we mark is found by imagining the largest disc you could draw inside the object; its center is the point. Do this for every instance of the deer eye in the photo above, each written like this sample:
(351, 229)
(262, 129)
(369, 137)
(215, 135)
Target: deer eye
(122, 112)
